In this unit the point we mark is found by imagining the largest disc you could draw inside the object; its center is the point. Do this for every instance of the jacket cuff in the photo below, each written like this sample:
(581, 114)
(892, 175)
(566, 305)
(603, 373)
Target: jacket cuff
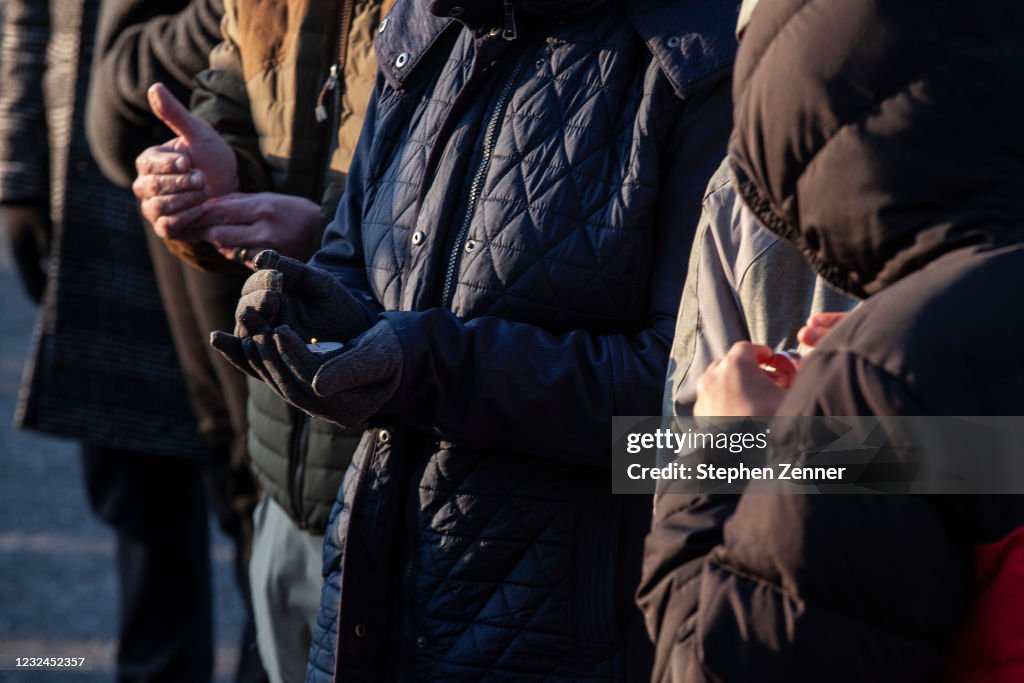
(407, 339)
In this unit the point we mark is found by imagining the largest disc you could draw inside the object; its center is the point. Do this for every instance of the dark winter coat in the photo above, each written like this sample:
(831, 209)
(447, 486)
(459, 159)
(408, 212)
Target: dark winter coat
(140, 44)
(884, 139)
(522, 211)
(103, 369)
(260, 92)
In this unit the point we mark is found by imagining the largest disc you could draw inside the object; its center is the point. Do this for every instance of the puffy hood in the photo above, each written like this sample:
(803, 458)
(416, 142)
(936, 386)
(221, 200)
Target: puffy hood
(879, 135)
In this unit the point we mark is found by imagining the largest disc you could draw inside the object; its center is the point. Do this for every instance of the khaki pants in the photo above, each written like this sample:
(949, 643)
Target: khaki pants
(285, 574)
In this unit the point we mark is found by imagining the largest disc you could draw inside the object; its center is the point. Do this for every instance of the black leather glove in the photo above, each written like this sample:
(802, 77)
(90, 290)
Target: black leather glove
(345, 387)
(29, 233)
(309, 300)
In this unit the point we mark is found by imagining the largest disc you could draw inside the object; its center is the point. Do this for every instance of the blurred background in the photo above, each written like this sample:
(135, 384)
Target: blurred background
(57, 583)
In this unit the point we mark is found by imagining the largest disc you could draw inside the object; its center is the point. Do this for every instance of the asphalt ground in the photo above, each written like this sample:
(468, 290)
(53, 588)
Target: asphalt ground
(58, 591)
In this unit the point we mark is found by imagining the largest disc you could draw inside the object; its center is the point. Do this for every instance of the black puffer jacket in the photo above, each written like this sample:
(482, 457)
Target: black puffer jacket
(522, 211)
(884, 138)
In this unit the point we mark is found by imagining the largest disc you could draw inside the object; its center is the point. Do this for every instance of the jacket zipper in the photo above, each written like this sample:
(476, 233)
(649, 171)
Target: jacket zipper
(295, 458)
(299, 477)
(334, 86)
(337, 69)
(448, 291)
(509, 32)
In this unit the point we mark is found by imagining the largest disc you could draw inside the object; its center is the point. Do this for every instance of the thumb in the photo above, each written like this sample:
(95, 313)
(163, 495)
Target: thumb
(173, 113)
(374, 357)
(296, 276)
(761, 353)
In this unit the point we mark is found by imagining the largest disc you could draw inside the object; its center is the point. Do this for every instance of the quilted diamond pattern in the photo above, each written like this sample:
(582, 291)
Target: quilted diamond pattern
(558, 254)
(535, 182)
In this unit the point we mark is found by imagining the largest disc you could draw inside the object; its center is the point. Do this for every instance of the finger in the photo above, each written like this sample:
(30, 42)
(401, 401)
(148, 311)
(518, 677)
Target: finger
(173, 113)
(808, 336)
(293, 350)
(177, 226)
(826, 320)
(747, 353)
(254, 355)
(231, 236)
(370, 360)
(234, 209)
(257, 313)
(279, 373)
(165, 159)
(153, 185)
(296, 276)
(262, 280)
(817, 327)
(230, 347)
(170, 204)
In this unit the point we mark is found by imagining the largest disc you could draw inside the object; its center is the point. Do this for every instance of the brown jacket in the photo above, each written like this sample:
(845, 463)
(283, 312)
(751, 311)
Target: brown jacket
(266, 82)
(262, 90)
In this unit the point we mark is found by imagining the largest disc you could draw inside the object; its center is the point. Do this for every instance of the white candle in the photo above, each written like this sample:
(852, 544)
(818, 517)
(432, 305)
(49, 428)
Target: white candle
(324, 347)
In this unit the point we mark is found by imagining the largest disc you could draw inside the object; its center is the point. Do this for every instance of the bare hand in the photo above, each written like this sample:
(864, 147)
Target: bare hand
(177, 177)
(254, 222)
(736, 386)
(817, 327)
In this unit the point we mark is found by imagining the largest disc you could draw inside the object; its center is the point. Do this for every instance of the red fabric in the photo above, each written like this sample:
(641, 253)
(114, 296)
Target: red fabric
(990, 647)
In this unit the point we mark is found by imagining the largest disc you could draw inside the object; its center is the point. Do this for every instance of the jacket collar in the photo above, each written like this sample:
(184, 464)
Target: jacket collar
(692, 40)
(405, 36)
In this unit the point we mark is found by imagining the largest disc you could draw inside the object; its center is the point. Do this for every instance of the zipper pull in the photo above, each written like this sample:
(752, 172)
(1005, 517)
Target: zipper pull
(510, 32)
(330, 84)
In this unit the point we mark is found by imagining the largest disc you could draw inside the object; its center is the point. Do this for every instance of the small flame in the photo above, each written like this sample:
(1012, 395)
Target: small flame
(313, 340)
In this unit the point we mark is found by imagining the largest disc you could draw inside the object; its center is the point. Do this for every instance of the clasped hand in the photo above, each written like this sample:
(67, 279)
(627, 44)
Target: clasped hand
(286, 302)
(735, 386)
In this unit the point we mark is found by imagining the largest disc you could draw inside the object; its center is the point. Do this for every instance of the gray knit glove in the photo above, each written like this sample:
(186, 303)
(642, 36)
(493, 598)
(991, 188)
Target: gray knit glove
(345, 387)
(309, 300)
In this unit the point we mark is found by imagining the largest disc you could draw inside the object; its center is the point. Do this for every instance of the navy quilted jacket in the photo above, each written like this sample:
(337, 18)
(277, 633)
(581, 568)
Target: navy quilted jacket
(521, 211)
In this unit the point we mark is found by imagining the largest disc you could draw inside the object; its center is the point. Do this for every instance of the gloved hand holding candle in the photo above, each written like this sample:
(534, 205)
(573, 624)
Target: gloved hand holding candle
(346, 375)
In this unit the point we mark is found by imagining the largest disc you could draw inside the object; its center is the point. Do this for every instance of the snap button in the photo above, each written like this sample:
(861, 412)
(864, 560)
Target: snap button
(540, 62)
(384, 436)
(455, 12)
(421, 641)
(417, 237)
(402, 60)
(360, 631)
(673, 41)
(383, 25)
(470, 245)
